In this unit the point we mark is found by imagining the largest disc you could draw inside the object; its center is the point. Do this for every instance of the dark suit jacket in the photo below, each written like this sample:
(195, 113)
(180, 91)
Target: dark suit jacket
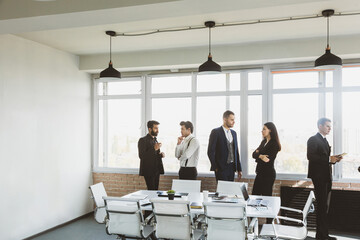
(218, 149)
(150, 160)
(318, 153)
(271, 149)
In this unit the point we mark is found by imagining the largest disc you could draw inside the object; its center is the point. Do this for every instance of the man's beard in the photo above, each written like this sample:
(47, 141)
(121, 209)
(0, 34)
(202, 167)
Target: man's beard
(152, 133)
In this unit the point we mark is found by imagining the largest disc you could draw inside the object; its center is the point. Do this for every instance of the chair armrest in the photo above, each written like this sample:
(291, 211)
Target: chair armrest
(112, 198)
(148, 219)
(290, 219)
(291, 209)
(252, 225)
(200, 219)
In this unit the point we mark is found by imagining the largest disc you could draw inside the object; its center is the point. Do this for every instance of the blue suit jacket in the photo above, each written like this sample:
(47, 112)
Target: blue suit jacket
(218, 150)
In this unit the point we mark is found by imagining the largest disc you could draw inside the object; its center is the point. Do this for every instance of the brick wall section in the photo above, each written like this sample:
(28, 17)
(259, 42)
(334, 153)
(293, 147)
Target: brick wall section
(117, 184)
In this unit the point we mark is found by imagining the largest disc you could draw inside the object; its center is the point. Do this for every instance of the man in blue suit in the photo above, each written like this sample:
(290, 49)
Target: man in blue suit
(223, 150)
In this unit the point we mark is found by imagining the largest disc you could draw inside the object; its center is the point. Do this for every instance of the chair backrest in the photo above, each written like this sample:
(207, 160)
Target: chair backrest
(308, 205)
(230, 188)
(186, 186)
(98, 192)
(225, 220)
(124, 217)
(172, 219)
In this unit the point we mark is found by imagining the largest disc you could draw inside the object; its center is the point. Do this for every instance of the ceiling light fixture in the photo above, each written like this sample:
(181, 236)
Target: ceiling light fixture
(209, 66)
(328, 60)
(110, 72)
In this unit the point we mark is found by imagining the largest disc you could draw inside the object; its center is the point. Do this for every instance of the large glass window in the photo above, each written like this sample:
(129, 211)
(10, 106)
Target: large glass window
(351, 135)
(119, 123)
(171, 84)
(211, 83)
(295, 116)
(170, 112)
(296, 80)
(292, 99)
(255, 124)
(209, 116)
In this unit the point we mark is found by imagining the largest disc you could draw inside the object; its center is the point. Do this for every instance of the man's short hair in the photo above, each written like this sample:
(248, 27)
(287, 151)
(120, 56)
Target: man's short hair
(151, 123)
(228, 113)
(187, 125)
(322, 121)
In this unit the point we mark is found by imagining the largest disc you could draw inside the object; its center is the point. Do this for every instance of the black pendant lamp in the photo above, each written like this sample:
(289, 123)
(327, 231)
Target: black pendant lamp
(328, 60)
(110, 72)
(209, 66)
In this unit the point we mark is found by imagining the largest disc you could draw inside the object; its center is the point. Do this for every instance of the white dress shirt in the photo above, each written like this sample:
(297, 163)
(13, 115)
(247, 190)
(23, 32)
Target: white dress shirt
(228, 134)
(183, 152)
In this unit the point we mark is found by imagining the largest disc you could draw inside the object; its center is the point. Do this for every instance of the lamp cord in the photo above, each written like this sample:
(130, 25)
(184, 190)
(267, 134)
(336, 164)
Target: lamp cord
(327, 33)
(209, 41)
(110, 49)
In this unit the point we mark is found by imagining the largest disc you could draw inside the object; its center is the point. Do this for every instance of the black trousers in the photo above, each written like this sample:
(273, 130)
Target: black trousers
(263, 185)
(227, 173)
(152, 182)
(188, 173)
(322, 194)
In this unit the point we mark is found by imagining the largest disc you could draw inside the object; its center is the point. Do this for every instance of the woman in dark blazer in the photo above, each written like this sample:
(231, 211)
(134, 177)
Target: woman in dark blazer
(265, 156)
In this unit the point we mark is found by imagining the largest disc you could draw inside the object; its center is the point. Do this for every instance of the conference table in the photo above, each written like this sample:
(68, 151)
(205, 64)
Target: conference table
(270, 211)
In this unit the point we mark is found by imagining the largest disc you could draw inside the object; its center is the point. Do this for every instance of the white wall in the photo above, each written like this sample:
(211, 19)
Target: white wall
(45, 138)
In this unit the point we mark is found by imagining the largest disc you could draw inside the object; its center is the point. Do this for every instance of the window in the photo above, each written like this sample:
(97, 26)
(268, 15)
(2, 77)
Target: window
(211, 83)
(255, 80)
(170, 112)
(295, 117)
(255, 124)
(209, 116)
(296, 80)
(122, 139)
(171, 84)
(119, 123)
(351, 135)
(292, 99)
(351, 76)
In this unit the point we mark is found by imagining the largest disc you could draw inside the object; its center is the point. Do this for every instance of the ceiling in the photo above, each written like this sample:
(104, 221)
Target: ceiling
(78, 27)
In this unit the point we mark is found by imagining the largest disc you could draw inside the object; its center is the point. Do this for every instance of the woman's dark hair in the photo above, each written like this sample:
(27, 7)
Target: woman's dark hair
(273, 133)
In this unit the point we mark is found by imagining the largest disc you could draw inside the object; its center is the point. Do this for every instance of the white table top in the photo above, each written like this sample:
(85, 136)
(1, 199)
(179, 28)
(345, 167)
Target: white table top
(271, 211)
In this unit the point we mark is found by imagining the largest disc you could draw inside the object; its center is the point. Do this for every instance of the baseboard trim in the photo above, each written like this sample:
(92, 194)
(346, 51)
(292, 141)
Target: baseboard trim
(59, 226)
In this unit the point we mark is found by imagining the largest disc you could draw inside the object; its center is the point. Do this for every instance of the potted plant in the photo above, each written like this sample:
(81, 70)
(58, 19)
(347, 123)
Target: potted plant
(171, 194)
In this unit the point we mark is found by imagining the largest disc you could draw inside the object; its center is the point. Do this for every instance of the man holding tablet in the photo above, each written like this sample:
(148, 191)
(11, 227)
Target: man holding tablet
(320, 172)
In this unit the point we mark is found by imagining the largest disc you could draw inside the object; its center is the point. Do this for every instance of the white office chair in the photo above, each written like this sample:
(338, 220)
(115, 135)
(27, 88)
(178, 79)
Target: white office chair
(125, 219)
(186, 186)
(173, 220)
(230, 188)
(290, 232)
(98, 192)
(225, 220)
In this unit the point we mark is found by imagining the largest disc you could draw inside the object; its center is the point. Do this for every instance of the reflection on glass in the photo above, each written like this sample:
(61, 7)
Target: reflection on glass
(170, 112)
(124, 131)
(255, 124)
(295, 116)
(234, 81)
(351, 135)
(122, 88)
(351, 76)
(171, 84)
(211, 83)
(209, 116)
(296, 80)
(255, 80)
